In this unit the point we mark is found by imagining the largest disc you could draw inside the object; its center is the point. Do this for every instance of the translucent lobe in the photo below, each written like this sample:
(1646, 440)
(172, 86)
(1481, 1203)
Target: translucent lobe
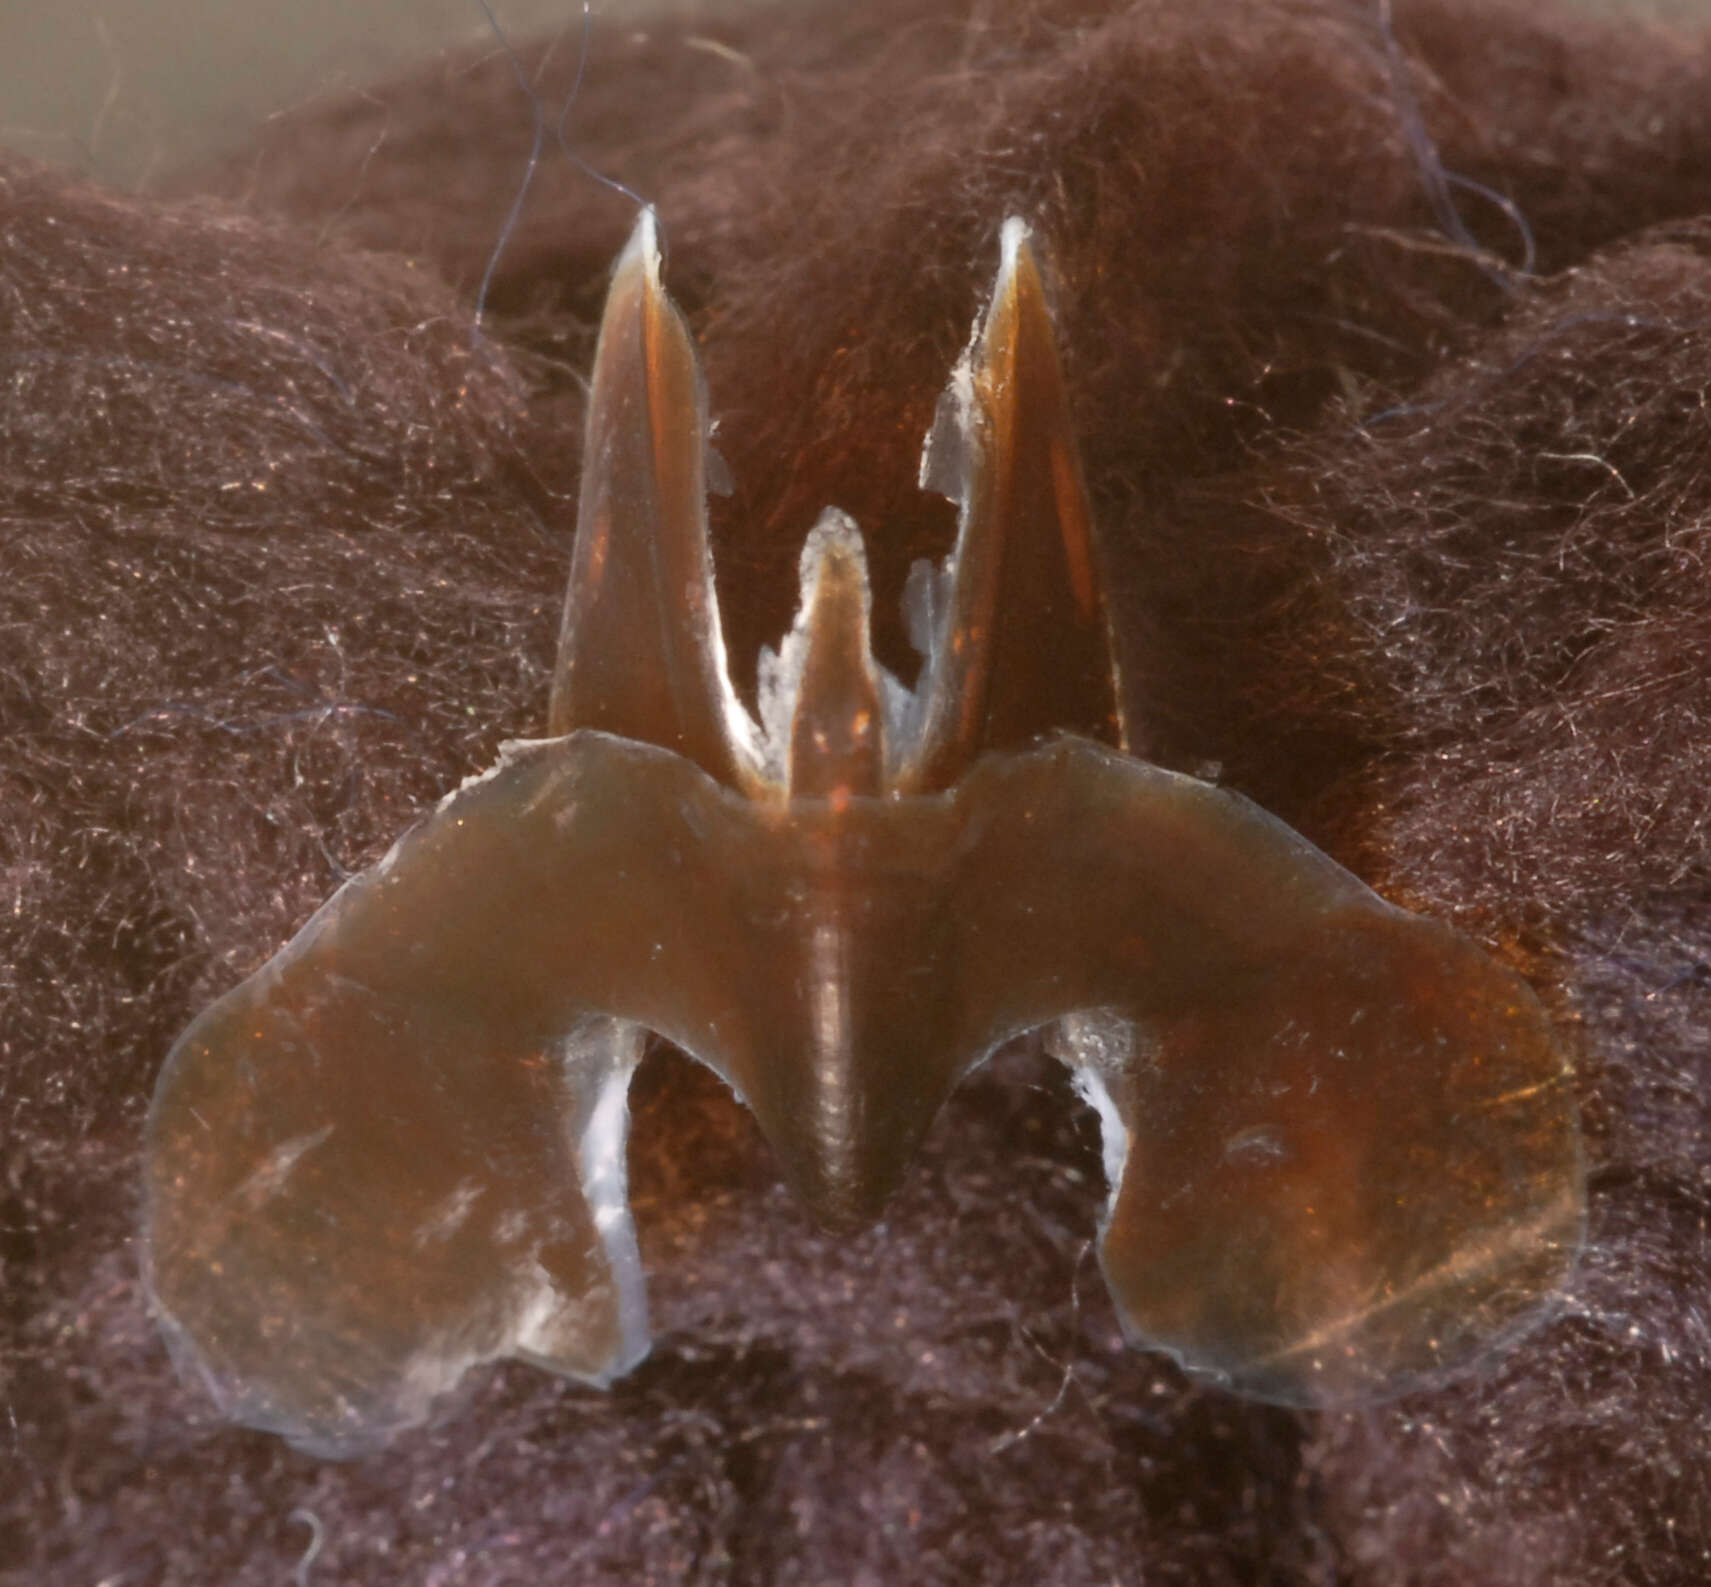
(1350, 1159)
(351, 1198)
(1352, 1156)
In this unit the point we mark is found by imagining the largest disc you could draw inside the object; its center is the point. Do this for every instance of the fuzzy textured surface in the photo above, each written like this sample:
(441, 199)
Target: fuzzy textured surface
(1411, 543)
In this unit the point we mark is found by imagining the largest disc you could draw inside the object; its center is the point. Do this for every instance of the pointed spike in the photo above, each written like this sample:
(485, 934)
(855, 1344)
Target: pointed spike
(836, 729)
(1024, 646)
(641, 653)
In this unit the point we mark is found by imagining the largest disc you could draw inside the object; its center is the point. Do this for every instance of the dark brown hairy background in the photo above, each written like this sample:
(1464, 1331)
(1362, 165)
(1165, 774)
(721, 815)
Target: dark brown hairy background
(1390, 349)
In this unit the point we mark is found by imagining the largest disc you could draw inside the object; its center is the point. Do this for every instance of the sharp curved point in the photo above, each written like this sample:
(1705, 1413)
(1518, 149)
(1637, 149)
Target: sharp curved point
(1014, 238)
(642, 249)
(1018, 270)
(1018, 295)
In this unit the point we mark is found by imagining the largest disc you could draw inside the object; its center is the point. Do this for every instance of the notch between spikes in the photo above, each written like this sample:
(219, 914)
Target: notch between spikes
(1015, 637)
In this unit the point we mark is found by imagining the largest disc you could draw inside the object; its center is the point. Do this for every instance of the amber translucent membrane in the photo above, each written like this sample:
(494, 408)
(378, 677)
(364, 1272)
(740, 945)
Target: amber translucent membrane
(1343, 1147)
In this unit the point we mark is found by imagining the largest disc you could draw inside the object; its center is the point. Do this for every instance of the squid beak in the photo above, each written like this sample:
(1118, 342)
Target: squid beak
(1341, 1141)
